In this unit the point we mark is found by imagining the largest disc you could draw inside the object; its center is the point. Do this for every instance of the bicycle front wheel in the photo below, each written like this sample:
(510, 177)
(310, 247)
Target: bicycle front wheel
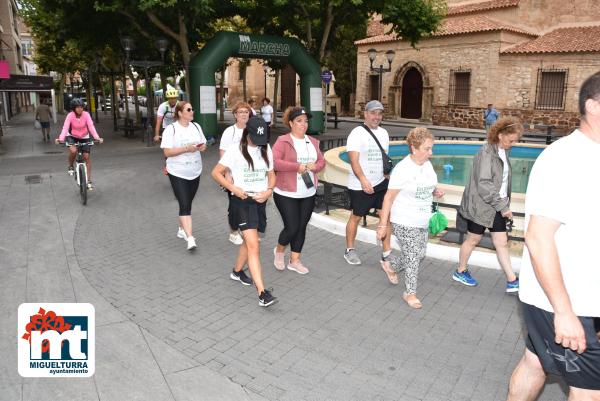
(83, 184)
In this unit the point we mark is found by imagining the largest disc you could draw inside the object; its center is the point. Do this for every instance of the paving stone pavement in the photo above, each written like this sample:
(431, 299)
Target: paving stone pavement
(339, 333)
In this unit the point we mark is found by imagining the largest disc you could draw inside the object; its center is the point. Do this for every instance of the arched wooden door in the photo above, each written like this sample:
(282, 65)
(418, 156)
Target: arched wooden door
(412, 94)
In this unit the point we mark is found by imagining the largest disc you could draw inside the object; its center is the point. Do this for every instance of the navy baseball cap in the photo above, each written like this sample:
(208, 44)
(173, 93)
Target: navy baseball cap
(257, 129)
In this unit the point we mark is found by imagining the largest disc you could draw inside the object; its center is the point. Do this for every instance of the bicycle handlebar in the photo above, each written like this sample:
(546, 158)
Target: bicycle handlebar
(78, 143)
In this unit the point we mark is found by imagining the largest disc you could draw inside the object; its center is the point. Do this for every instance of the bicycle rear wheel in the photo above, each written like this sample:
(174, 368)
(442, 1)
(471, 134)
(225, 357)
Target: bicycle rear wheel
(83, 184)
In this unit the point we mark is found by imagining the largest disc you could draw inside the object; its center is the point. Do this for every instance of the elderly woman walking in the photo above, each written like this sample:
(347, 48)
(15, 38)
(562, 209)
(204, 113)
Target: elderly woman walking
(486, 200)
(232, 137)
(407, 205)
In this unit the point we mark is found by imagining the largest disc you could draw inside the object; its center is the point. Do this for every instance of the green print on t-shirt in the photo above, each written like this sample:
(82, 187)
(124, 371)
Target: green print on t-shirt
(424, 196)
(257, 175)
(374, 154)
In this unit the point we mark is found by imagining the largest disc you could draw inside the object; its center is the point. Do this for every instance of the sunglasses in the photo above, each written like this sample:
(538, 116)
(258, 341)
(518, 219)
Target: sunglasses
(189, 109)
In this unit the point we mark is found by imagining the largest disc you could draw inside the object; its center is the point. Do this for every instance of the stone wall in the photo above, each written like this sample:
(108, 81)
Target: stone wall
(472, 117)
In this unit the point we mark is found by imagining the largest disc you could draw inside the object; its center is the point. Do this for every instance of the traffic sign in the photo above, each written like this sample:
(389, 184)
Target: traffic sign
(326, 76)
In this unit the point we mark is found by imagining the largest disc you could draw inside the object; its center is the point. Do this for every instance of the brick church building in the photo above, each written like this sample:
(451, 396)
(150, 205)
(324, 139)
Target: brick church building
(527, 57)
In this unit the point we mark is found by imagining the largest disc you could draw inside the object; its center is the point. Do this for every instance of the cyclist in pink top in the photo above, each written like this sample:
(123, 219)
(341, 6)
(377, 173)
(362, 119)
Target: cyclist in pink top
(77, 128)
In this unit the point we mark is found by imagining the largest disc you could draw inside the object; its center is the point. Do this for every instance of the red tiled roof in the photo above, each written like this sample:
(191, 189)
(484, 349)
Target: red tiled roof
(455, 26)
(481, 6)
(562, 40)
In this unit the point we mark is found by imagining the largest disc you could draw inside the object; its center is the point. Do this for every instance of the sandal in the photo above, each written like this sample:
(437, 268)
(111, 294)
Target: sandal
(391, 274)
(413, 303)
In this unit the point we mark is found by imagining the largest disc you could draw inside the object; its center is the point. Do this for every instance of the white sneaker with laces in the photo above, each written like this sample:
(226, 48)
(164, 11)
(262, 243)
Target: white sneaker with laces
(191, 243)
(181, 234)
(90, 186)
(236, 238)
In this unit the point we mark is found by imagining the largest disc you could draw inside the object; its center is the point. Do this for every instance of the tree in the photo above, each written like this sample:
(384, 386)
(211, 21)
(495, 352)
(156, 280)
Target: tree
(184, 21)
(314, 21)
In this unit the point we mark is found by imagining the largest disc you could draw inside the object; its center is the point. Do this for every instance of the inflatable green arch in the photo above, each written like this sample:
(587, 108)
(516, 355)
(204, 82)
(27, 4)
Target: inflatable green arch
(233, 44)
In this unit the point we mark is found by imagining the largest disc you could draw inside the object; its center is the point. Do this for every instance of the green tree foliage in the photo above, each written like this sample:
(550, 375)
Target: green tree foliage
(186, 22)
(414, 19)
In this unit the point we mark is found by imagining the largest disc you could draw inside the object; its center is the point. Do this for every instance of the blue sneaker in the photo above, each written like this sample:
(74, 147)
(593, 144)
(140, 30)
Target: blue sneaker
(465, 278)
(512, 286)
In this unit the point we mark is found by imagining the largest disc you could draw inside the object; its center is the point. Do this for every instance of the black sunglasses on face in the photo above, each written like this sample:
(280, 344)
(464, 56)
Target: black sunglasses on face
(189, 109)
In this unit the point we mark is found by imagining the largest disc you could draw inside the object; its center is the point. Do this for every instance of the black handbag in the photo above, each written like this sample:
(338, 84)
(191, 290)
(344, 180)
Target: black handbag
(388, 164)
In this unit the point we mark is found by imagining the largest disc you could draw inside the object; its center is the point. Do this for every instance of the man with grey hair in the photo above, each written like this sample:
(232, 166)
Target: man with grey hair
(560, 272)
(367, 183)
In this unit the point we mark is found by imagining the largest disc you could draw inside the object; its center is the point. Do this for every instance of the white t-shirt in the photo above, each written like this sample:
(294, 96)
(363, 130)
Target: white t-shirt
(370, 161)
(412, 206)
(167, 113)
(187, 165)
(305, 153)
(563, 186)
(244, 176)
(267, 113)
(231, 136)
(504, 187)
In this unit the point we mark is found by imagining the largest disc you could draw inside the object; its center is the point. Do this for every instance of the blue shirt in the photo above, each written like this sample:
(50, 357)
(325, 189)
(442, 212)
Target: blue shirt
(490, 116)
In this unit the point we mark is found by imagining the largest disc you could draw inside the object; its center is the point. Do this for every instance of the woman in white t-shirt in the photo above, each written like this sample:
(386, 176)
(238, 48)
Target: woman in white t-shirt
(407, 205)
(232, 136)
(182, 143)
(266, 111)
(251, 167)
(297, 161)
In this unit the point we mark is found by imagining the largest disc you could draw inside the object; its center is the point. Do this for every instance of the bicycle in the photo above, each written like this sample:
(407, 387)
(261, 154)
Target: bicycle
(80, 171)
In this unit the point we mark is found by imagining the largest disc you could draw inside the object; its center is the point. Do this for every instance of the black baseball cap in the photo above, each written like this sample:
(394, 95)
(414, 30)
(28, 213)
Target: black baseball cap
(257, 130)
(298, 111)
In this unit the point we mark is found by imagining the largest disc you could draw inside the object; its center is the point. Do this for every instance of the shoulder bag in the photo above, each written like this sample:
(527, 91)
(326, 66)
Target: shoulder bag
(388, 164)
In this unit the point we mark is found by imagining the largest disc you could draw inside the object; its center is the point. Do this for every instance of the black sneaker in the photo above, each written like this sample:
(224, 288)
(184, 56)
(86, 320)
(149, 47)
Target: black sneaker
(266, 299)
(241, 277)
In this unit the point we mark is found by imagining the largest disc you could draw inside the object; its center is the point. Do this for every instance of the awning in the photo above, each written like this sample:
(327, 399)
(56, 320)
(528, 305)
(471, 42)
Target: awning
(27, 83)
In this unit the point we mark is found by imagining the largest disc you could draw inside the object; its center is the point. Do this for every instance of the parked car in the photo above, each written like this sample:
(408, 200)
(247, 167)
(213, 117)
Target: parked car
(105, 104)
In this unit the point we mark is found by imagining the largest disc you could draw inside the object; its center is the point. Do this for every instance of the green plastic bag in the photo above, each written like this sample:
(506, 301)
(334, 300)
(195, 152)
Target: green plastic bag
(438, 222)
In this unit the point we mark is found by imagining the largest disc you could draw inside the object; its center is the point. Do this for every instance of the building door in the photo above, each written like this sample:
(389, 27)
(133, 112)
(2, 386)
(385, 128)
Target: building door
(288, 87)
(412, 94)
(374, 86)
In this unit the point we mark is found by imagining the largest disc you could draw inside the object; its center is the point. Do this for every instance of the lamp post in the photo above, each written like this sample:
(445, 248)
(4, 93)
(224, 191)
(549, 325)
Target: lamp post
(161, 44)
(266, 70)
(389, 55)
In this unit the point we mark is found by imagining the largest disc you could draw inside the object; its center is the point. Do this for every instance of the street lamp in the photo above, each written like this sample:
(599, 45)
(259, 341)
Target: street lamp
(389, 55)
(161, 44)
(266, 70)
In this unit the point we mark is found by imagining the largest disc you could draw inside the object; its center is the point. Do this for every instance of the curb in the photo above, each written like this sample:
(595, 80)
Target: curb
(442, 252)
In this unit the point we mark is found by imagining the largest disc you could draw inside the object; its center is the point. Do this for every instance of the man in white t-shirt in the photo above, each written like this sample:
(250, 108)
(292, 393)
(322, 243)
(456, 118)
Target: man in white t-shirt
(165, 114)
(366, 183)
(560, 272)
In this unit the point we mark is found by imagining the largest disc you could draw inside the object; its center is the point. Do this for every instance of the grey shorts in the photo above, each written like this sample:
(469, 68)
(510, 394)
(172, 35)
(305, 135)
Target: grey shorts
(578, 370)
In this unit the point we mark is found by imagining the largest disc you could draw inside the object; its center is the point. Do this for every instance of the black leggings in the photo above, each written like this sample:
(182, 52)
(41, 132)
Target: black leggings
(295, 213)
(184, 191)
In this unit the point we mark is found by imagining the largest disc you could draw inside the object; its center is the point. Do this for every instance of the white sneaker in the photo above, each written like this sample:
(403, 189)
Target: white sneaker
(191, 243)
(236, 238)
(181, 234)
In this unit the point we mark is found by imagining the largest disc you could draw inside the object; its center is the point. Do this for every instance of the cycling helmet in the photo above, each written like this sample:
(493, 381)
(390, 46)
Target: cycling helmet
(76, 102)
(172, 93)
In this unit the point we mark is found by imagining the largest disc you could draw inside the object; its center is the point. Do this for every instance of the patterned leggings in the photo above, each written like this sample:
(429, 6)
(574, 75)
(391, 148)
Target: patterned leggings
(413, 243)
